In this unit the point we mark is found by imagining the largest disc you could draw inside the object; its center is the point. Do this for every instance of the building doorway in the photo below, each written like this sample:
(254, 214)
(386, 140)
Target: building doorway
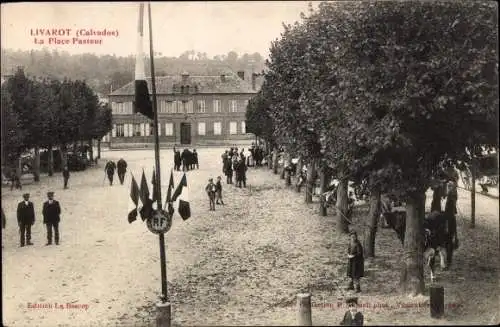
(185, 133)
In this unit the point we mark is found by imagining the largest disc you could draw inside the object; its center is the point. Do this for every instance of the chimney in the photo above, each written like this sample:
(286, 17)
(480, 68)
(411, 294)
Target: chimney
(254, 77)
(185, 77)
(222, 78)
(241, 74)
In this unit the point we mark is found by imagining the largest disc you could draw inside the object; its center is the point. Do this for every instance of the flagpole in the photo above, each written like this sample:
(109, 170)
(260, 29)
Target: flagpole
(163, 264)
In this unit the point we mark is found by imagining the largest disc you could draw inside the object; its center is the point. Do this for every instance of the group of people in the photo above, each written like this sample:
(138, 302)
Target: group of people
(235, 164)
(187, 159)
(120, 166)
(51, 212)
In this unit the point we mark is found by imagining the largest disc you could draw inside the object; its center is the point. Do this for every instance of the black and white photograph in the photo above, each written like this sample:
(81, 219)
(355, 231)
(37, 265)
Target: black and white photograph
(250, 163)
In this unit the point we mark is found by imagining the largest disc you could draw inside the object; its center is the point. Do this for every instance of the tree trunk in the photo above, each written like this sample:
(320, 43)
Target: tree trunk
(343, 225)
(473, 194)
(311, 180)
(98, 149)
(324, 179)
(36, 164)
(91, 151)
(275, 161)
(374, 215)
(50, 168)
(412, 270)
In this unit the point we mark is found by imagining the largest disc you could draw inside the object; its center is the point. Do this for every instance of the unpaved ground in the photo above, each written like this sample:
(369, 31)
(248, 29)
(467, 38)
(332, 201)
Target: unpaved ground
(240, 265)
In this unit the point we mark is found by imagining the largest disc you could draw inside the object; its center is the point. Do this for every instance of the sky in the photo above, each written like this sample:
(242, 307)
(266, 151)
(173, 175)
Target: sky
(211, 27)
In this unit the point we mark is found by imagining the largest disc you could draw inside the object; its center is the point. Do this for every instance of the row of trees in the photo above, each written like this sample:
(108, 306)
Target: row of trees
(43, 113)
(383, 92)
(107, 72)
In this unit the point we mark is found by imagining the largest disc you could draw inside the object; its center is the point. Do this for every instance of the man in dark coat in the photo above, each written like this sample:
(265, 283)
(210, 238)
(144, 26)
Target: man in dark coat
(352, 317)
(186, 159)
(241, 174)
(121, 168)
(195, 159)
(51, 217)
(177, 159)
(110, 170)
(25, 219)
(228, 170)
(65, 174)
(355, 265)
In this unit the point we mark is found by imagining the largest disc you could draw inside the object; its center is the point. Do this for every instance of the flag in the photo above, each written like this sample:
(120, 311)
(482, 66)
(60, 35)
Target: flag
(134, 197)
(169, 201)
(146, 204)
(142, 103)
(181, 192)
(155, 189)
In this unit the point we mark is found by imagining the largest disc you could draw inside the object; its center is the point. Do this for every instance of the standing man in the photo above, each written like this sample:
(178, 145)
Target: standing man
(177, 160)
(110, 170)
(355, 265)
(121, 169)
(65, 173)
(51, 217)
(25, 219)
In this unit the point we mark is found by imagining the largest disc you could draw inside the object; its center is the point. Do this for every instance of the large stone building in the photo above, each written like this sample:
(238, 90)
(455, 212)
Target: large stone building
(192, 110)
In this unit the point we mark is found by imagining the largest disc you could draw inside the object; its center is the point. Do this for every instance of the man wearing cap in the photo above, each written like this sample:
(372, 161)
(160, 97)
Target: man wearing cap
(352, 317)
(355, 265)
(110, 170)
(51, 217)
(25, 219)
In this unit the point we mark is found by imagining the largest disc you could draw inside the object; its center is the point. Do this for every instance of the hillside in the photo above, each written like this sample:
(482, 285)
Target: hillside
(104, 73)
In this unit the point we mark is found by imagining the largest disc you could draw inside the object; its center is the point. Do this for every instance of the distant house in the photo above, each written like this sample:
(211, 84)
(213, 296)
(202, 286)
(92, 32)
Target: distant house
(201, 109)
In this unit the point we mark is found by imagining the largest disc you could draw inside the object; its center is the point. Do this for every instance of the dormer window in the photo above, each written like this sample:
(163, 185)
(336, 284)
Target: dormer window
(182, 89)
(186, 88)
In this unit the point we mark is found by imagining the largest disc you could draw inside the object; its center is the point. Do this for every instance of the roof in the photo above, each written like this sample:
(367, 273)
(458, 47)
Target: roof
(207, 84)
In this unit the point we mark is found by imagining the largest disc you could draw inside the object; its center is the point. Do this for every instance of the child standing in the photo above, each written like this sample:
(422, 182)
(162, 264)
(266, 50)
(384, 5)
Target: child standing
(355, 266)
(218, 191)
(211, 189)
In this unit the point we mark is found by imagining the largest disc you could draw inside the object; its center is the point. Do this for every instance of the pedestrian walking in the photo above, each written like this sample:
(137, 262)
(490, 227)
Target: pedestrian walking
(356, 263)
(51, 217)
(25, 219)
(65, 174)
(110, 170)
(195, 159)
(218, 191)
(121, 170)
(352, 316)
(211, 190)
(177, 160)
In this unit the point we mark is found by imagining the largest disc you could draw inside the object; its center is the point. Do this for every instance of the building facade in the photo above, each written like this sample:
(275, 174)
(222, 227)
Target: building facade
(192, 110)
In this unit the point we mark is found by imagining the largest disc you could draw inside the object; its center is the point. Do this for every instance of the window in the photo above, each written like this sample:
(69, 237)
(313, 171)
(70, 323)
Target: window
(169, 129)
(129, 108)
(163, 107)
(150, 127)
(180, 108)
(137, 129)
(217, 106)
(201, 128)
(159, 129)
(188, 106)
(125, 130)
(233, 127)
(200, 106)
(243, 127)
(119, 130)
(233, 105)
(217, 128)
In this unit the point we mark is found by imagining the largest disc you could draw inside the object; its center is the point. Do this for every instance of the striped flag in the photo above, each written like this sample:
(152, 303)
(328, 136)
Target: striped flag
(142, 103)
(168, 201)
(146, 204)
(181, 192)
(134, 200)
(155, 189)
